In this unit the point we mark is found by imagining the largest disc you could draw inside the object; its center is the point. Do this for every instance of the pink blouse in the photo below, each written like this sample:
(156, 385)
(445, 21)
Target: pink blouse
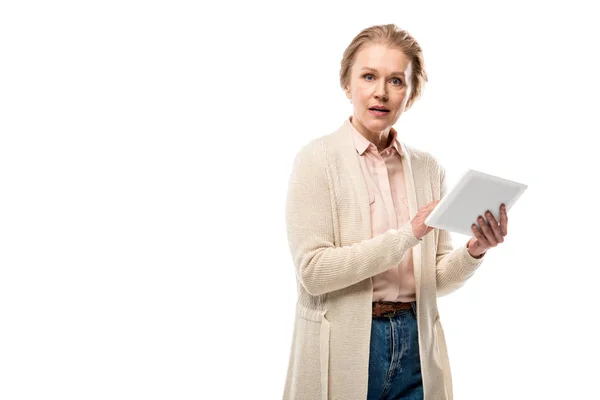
(384, 177)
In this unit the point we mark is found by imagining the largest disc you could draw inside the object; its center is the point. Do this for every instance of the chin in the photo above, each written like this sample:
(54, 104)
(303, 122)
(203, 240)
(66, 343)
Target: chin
(377, 124)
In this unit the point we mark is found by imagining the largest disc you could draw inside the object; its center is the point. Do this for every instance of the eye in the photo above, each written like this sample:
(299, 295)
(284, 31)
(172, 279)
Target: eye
(367, 75)
(399, 81)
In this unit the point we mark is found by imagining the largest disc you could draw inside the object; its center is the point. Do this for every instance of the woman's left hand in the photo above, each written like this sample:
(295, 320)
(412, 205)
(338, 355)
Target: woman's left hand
(489, 234)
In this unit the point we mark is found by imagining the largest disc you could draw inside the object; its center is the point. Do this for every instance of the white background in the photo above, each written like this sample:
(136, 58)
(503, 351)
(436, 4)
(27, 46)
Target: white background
(145, 149)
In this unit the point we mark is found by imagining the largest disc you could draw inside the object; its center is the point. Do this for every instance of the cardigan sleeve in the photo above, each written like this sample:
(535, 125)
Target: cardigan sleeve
(320, 265)
(453, 267)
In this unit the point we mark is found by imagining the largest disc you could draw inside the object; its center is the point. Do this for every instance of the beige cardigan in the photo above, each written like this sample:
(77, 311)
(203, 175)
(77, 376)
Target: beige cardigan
(329, 234)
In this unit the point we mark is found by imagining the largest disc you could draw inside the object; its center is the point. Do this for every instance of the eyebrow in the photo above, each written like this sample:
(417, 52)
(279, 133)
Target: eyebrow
(374, 70)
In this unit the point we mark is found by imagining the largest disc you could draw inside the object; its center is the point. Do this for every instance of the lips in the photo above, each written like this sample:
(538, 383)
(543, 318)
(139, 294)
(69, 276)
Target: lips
(380, 108)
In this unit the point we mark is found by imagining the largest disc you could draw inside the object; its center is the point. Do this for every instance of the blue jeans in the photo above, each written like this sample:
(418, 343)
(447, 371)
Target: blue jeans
(394, 364)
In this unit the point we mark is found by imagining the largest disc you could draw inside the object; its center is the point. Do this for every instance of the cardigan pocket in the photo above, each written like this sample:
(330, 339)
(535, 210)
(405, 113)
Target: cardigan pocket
(311, 363)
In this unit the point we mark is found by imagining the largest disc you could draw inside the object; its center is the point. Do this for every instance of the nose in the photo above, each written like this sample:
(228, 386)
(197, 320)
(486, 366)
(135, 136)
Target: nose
(380, 91)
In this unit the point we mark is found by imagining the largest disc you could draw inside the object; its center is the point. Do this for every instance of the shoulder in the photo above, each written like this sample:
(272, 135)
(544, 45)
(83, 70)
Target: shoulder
(312, 152)
(425, 159)
(318, 150)
(310, 162)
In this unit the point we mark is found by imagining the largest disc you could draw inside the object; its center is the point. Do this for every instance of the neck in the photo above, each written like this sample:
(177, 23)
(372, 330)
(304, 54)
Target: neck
(381, 140)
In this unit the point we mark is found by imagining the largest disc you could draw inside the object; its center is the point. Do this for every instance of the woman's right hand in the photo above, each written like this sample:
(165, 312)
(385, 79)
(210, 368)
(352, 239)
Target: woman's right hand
(418, 222)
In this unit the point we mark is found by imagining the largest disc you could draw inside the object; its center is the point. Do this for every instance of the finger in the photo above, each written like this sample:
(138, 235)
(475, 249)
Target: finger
(479, 236)
(487, 231)
(503, 220)
(495, 227)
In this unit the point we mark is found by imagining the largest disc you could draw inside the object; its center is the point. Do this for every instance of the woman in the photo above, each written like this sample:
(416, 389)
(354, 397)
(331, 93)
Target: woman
(367, 324)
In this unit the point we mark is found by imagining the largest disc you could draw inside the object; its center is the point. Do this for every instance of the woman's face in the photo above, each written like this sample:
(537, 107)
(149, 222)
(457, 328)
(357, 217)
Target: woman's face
(380, 76)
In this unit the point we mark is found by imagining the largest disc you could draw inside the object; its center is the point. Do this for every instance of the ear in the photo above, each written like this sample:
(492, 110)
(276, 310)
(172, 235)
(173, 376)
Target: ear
(348, 92)
(408, 104)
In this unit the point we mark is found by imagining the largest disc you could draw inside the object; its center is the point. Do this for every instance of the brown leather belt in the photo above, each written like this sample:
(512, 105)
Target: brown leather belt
(389, 308)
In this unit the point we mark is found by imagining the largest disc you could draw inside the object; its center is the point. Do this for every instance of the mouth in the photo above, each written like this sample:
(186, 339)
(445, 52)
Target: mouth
(378, 111)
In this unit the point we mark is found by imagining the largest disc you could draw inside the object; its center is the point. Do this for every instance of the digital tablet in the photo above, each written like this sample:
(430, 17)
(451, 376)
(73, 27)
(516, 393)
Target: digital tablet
(474, 194)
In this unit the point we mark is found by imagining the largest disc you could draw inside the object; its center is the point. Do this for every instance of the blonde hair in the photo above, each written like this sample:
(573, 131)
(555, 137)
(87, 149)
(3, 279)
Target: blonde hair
(388, 35)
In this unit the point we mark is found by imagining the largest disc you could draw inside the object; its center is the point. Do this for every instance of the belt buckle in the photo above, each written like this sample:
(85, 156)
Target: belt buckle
(389, 313)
